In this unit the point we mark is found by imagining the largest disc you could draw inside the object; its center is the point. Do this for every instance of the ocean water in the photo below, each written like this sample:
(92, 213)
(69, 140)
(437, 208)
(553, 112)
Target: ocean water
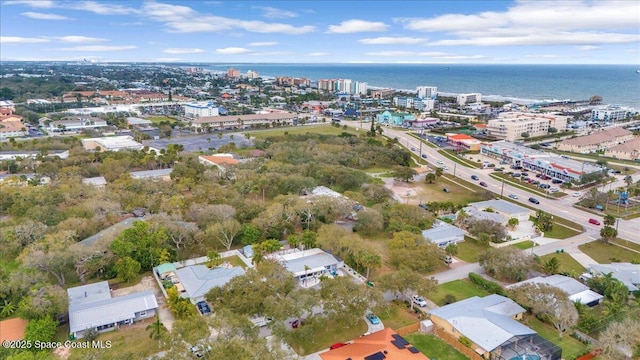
(616, 84)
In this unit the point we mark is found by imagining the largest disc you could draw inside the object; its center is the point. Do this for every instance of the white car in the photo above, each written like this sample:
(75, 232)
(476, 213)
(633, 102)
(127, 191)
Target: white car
(419, 300)
(440, 162)
(513, 196)
(445, 168)
(576, 194)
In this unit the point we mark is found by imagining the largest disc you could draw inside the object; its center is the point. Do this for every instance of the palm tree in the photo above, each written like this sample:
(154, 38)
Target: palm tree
(451, 250)
(306, 273)
(430, 178)
(156, 330)
(439, 172)
(513, 223)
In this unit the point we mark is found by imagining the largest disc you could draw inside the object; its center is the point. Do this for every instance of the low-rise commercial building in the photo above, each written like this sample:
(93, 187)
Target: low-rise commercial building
(629, 150)
(246, 121)
(112, 143)
(552, 165)
(511, 125)
(394, 118)
(463, 142)
(200, 109)
(75, 123)
(11, 129)
(597, 140)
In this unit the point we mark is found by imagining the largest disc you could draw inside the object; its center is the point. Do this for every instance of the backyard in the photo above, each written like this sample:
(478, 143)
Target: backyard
(470, 249)
(460, 289)
(398, 316)
(433, 347)
(328, 335)
(571, 347)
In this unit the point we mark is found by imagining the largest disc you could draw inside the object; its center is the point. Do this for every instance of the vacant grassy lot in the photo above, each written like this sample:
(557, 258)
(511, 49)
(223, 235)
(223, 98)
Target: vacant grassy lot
(461, 289)
(457, 194)
(608, 253)
(570, 346)
(469, 249)
(560, 230)
(323, 129)
(158, 119)
(452, 155)
(567, 263)
(433, 347)
(399, 316)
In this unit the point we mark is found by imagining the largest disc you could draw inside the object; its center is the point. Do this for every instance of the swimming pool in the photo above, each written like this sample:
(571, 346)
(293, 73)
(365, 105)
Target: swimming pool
(526, 357)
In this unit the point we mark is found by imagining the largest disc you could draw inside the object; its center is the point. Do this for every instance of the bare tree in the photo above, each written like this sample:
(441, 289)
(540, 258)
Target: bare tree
(620, 337)
(50, 255)
(225, 232)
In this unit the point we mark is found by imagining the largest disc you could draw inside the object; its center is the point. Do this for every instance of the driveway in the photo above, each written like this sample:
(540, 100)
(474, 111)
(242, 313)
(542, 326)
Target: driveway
(148, 283)
(373, 328)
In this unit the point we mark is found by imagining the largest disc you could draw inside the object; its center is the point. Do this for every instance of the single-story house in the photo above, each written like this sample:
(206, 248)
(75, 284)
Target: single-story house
(195, 281)
(504, 208)
(491, 324)
(91, 307)
(627, 273)
(13, 329)
(577, 291)
(221, 161)
(384, 344)
(443, 234)
(98, 181)
(154, 175)
(307, 264)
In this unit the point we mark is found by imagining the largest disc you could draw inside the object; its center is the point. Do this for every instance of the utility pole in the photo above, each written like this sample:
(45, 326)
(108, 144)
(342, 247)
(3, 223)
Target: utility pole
(454, 168)
(502, 189)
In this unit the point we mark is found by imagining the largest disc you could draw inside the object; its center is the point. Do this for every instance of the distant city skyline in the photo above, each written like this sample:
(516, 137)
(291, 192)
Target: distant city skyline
(472, 32)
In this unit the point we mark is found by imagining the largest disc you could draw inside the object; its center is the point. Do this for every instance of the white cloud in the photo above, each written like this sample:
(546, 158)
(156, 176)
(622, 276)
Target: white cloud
(99, 48)
(588, 47)
(392, 41)
(355, 25)
(102, 8)
(529, 23)
(263, 43)
(168, 60)
(392, 53)
(274, 13)
(76, 39)
(41, 4)
(543, 56)
(21, 40)
(270, 53)
(319, 53)
(183, 51)
(431, 54)
(233, 50)
(44, 16)
(183, 19)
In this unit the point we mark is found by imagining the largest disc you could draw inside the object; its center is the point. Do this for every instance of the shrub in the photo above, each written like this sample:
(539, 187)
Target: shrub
(449, 299)
(485, 284)
(465, 341)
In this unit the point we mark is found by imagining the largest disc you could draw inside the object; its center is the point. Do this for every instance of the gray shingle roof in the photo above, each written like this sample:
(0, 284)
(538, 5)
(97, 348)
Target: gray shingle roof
(502, 206)
(442, 232)
(628, 273)
(485, 321)
(198, 279)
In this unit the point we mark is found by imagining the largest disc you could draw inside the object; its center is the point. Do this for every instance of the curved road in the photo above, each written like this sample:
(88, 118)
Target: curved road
(627, 229)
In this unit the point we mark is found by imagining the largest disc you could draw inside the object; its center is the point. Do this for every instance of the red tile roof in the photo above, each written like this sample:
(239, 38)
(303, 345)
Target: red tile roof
(379, 341)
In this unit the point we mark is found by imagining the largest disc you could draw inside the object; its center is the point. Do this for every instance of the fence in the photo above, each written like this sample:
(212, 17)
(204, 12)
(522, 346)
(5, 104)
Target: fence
(451, 340)
(409, 329)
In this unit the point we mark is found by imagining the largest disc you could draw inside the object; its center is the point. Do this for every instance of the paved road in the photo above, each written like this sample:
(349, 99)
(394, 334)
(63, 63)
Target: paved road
(627, 229)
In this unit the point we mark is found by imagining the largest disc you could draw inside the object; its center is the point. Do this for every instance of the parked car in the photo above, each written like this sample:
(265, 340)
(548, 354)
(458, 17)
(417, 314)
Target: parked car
(483, 184)
(594, 222)
(576, 194)
(498, 169)
(475, 177)
(557, 181)
(419, 300)
(544, 186)
(424, 206)
(515, 174)
(357, 207)
(373, 319)
(538, 175)
(525, 174)
(534, 200)
(203, 307)
(513, 196)
(445, 190)
(448, 260)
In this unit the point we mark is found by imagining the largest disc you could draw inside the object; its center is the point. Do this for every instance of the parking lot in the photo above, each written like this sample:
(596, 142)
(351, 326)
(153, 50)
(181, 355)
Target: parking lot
(201, 142)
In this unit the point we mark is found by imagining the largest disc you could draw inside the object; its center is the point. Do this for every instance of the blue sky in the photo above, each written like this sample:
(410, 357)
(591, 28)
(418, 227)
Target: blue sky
(528, 32)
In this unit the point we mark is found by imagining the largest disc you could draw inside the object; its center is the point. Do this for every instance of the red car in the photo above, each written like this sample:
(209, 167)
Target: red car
(337, 345)
(594, 222)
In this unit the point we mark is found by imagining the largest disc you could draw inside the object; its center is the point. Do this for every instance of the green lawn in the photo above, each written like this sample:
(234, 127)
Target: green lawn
(608, 253)
(570, 346)
(399, 316)
(234, 261)
(560, 229)
(461, 289)
(629, 244)
(469, 249)
(523, 245)
(433, 347)
(126, 343)
(457, 194)
(567, 264)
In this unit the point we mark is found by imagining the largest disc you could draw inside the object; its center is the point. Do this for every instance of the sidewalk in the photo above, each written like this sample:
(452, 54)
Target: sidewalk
(584, 259)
